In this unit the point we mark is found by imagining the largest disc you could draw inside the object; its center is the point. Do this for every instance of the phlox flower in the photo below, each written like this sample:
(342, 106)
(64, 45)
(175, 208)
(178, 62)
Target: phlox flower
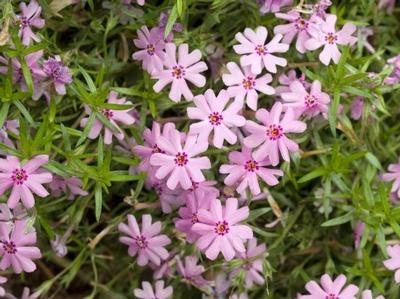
(240, 296)
(169, 199)
(356, 108)
(190, 271)
(180, 162)
(162, 24)
(58, 73)
(286, 79)
(147, 243)
(309, 104)
(358, 232)
(10, 216)
(24, 179)
(114, 116)
(147, 291)
(245, 169)
(243, 83)
(367, 294)
(393, 263)
(205, 190)
(3, 280)
(16, 247)
(388, 4)
(325, 35)
(72, 185)
(187, 66)
(220, 229)
(30, 17)
(394, 77)
(215, 115)
(320, 8)
(270, 137)
(59, 245)
(272, 5)
(8, 126)
(26, 294)
(330, 289)
(393, 174)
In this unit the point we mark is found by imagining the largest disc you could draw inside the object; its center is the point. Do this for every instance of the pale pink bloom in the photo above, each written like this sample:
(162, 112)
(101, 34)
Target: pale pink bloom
(394, 77)
(273, 5)
(140, 2)
(388, 4)
(147, 243)
(269, 137)
(240, 296)
(180, 163)
(190, 271)
(330, 289)
(325, 35)
(358, 232)
(147, 291)
(16, 249)
(59, 246)
(58, 73)
(364, 33)
(243, 83)
(71, 186)
(367, 294)
(217, 116)
(24, 179)
(245, 169)
(356, 108)
(256, 53)
(309, 104)
(8, 126)
(30, 17)
(165, 268)
(221, 285)
(187, 66)
(220, 229)
(393, 174)
(162, 24)
(204, 190)
(169, 199)
(393, 263)
(10, 216)
(151, 51)
(26, 294)
(286, 79)
(320, 8)
(114, 116)
(3, 280)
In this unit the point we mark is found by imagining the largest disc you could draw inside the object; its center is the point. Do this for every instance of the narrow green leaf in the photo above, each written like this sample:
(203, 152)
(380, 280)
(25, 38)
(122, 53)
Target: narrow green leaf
(339, 220)
(312, 175)
(171, 20)
(88, 80)
(98, 197)
(24, 112)
(86, 131)
(4, 113)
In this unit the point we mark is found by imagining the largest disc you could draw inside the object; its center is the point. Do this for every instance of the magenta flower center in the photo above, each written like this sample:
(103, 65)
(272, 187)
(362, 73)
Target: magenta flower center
(194, 218)
(19, 176)
(221, 228)
(181, 159)
(150, 49)
(215, 118)
(251, 166)
(332, 296)
(108, 113)
(331, 38)
(194, 186)
(274, 132)
(24, 22)
(178, 71)
(9, 247)
(261, 50)
(249, 83)
(156, 150)
(141, 242)
(158, 188)
(310, 101)
(301, 24)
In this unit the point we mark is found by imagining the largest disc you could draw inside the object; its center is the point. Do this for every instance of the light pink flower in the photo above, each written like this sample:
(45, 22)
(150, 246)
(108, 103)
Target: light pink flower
(16, 249)
(114, 116)
(393, 174)
(24, 179)
(3, 280)
(220, 229)
(243, 83)
(286, 79)
(26, 294)
(393, 263)
(180, 163)
(8, 126)
(30, 17)
(394, 77)
(71, 186)
(58, 73)
(330, 289)
(190, 271)
(272, 5)
(388, 4)
(240, 296)
(245, 169)
(325, 35)
(367, 294)
(320, 8)
(309, 104)
(270, 137)
(187, 66)
(256, 53)
(10, 216)
(59, 246)
(356, 108)
(169, 199)
(147, 291)
(358, 232)
(215, 115)
(147, 243)
(206, 190)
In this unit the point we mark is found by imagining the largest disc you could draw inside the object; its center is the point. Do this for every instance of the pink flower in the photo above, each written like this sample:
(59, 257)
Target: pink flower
(247, 170)
(394, 262)
(243, 83)
(147, 291)
(286, 80)
(258, 52)
(356, 108)
(388, 4)
(320, 8)
(2, 281)
(190, 271)
(71, 185)
(152, 49)
(187, 67)
(394, 77)
(330, 289)
(270, 137)
(114, 116)
(30, 17)
(10, 216)
(180, 163)
(59, 246)
(240, 296)
(325, 35)
(204, 190)
(220, 229)
(147, 243)
(58, 73)
(26, 294)
(215, 115)
(272, 5)
(8, 126)
(367, 294)
(358, 232)
(393, 174)
(24, 179)
(306, 103)
(169, 199)
(15, 249)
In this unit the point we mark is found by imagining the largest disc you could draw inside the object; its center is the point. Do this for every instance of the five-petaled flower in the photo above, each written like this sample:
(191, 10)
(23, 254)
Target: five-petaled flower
(190, 271)
(30, 17)
(58, 73)
(147, 291)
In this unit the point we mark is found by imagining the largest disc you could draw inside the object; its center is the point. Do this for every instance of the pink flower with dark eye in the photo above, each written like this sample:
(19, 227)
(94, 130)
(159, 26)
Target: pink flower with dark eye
(147, 291)
(272, 5)
(147, 243)
(180, 162)
(356, 108)
(114, 116)
(270, 137)
(330, 289)
(177, 70)
(24, 179)
(325, 35)
(367, 294)
(16, 247)
(58, 73)
(243, 83)
(393, 263)
(257, 53)
(393, 174)
(72, 185)
(190, 271)
(206, 190)
(286, 79)
(246, 169)
(151, 51)
(216, 116)
(30, 17)
(220, 229)
(309, 104)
